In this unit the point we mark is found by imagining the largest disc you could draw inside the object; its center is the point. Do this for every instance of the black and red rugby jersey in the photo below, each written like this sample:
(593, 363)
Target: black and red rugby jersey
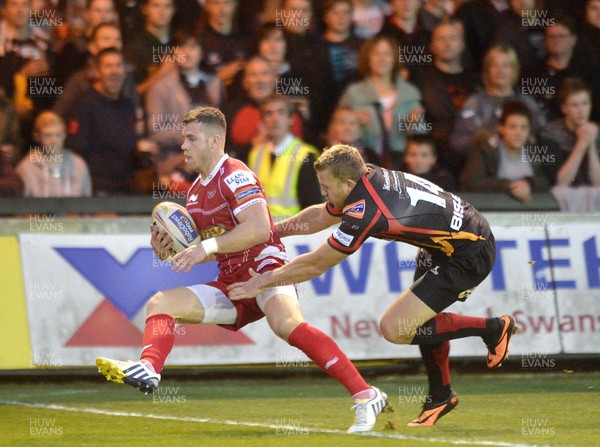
(395, 205)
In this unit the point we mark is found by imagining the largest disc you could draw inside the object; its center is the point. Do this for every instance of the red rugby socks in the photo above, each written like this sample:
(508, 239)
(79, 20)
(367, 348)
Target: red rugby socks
(158, 340)
(448, 326)
(322, 350)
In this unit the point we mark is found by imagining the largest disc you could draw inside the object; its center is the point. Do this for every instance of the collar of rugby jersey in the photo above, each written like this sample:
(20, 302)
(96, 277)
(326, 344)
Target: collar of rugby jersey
(209, 177)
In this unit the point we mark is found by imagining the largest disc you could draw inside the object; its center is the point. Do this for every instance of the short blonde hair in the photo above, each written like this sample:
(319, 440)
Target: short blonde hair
(47, 119)
(345, 162)
(502, 49)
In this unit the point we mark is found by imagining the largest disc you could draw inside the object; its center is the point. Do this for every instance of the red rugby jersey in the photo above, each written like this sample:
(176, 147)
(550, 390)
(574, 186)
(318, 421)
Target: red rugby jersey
(214, 202)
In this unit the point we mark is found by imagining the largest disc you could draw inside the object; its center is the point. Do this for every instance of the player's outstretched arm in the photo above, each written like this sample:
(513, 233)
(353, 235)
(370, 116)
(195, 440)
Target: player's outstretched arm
(308, 221)
(254, 228)
(300, 269)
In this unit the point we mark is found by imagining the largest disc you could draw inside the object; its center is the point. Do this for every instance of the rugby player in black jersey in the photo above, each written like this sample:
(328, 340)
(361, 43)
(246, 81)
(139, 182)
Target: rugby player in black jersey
(457, 252)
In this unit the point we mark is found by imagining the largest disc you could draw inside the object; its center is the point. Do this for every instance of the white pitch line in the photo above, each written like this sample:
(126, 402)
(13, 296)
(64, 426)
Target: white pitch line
(291, 428)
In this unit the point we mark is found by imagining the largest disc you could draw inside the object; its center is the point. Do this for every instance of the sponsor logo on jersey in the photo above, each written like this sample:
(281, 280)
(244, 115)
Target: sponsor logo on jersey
(213, 231)
(193, 198)
(238, 179)
(343, 238)
(184, 225)
(465, 294)
(356, 209)
(247, 193)
(435, 270)
(457, 213)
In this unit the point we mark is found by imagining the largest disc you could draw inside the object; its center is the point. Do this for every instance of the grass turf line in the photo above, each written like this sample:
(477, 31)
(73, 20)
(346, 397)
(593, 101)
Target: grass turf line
(527, 409)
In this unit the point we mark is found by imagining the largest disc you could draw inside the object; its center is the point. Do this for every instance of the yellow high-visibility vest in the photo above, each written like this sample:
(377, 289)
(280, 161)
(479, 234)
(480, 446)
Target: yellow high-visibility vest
(280, 177)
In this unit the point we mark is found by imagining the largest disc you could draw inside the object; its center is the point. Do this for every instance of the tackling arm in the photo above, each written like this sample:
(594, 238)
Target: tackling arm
(300, 269)
(308, 221)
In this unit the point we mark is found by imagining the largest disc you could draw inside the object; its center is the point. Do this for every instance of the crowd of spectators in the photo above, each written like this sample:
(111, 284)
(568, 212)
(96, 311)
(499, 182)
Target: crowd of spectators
(476, 95)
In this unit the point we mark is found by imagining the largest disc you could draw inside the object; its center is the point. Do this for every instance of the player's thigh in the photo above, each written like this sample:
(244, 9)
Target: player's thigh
(280, 306)
(401, 320)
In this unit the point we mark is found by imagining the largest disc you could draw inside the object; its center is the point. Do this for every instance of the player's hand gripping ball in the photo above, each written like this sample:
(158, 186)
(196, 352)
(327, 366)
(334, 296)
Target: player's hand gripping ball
(177, 222)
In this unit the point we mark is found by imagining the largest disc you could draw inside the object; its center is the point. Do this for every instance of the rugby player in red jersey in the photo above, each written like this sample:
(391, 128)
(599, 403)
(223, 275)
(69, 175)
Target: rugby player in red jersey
(228, 200)
(457, 251)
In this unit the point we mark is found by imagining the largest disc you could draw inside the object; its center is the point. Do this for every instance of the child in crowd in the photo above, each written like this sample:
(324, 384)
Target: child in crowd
(420, 158)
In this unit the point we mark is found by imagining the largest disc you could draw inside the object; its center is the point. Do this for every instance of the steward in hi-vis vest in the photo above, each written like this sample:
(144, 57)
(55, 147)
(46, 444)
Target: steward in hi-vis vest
(284, 163)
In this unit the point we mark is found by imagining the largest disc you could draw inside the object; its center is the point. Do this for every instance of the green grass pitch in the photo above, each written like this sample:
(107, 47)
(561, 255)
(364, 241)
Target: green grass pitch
(495, 409)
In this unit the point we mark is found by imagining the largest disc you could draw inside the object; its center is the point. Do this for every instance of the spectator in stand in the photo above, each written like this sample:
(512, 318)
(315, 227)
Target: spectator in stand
(480, 114)
(246, 129)
(445, 86)
(224, 48)
(150, 51)
(26, 62)
(433, 12)
(573, 145)
(105, 35)
(543, 85)
(74, 54)
(587, 52)
(10, 133)
(284, 163)
(406, 27)
(50, 170)
(270, 43)
(309, 58)
(503, 163)
(342, 45)
(11, 184)
(420, 158)
(344, 128)
(171, 97)
(102, 129)
(480, 19)
(522, 28)
(368, 17)
(388, 107)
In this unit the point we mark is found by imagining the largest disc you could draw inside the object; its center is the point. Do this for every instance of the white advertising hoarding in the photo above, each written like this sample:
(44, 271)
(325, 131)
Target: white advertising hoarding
(86, 297)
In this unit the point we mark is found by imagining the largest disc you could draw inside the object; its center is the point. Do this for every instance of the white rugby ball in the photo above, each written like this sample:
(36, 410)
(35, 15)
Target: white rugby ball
(177, 222)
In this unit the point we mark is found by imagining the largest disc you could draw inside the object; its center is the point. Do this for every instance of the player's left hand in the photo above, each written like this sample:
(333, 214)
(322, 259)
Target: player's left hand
(248, 289)
(188, 258)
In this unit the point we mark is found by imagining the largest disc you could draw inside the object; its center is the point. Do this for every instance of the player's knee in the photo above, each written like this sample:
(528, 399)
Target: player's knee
(392, 332)
(158, 304)
(283, 328)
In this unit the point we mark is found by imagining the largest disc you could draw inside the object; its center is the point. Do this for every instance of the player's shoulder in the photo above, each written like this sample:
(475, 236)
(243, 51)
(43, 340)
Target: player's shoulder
(234, 174)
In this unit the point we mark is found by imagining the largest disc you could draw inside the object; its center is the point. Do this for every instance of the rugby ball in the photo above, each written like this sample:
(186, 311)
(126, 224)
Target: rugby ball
(177, 222)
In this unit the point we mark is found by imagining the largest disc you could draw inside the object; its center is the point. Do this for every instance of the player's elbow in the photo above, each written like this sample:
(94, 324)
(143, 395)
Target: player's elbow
(262, 234)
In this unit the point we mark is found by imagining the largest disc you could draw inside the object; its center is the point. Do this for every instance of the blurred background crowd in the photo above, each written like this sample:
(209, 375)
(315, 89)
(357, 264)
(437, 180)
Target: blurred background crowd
(473, 95)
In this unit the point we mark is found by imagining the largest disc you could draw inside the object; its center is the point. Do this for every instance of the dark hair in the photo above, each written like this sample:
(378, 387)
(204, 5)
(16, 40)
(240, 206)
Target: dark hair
(422, 139)
(514, 107)
(145, 2)
(570, 86)
(98, 27)
(209, 116)
(183, 35)
(566, 21)
(328, 5)
(365, 51)
(262, 33)
(106, 51)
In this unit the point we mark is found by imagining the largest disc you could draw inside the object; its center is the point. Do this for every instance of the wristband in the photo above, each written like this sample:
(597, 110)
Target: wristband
(210, 246)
